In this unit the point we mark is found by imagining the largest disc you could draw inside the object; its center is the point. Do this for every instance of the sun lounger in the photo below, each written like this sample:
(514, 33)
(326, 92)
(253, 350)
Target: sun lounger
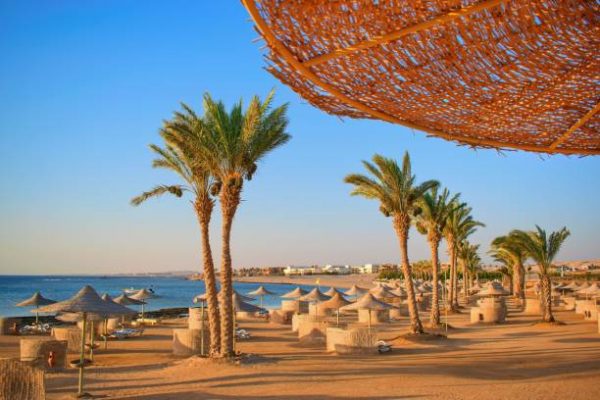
(147, 321)
(126, 333)
(242, 334)
(383, 347)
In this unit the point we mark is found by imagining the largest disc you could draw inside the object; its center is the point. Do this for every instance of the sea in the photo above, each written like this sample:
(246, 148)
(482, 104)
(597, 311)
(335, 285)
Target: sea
(171, 291)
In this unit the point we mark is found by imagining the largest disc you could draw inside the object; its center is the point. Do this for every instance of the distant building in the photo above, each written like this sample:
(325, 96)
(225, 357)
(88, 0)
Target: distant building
(338, 269)
(366, 269)
(301, 270)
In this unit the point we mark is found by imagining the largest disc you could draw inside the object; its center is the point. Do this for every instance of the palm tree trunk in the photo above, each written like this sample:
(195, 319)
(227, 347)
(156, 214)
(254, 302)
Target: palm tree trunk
(204, 212)
(401, 228)
(455, 281)
(547, 299)
(230, 199)
(451, 292)
(519, 282)
(434, 319)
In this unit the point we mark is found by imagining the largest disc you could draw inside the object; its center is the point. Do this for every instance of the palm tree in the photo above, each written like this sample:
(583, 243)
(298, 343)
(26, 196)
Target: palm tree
(431, 222)
(470, 260)
(399, 198)
(543, 249)
(182, 135)
(233, 144)
(509, 252)
(459, 226)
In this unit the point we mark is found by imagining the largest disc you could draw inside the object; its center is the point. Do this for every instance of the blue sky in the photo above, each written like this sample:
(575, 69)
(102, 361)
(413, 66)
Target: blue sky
(84, 87)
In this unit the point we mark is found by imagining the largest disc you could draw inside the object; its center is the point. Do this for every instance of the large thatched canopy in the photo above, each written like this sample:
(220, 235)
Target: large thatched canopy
(485, 73)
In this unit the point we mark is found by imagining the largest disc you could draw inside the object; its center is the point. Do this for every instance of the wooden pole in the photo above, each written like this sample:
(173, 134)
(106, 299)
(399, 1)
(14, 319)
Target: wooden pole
(92, 335)
(82, 356)
(202, 329)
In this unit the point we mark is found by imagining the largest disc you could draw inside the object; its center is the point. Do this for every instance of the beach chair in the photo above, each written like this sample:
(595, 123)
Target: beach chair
(127, 333)
(242, 334)
(383, 347)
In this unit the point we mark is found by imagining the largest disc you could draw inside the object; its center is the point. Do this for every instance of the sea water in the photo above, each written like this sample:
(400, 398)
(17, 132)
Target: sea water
(171, 291)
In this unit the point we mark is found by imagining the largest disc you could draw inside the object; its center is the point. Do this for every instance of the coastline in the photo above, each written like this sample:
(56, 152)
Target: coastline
(324, 281)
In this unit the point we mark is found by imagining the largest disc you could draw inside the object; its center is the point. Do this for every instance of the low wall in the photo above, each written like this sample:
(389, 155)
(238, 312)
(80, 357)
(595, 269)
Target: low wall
(281, 317)
(318, 310)
(20, 381)
(581, 305)
(532, 306)
(71, 334)
(352, 341)
(195, 317)
(590, 311)
(377, 316)
(9, 325)
(188, 342)
(36, 351)
(294, 305)
(312, 331)
(569, 303)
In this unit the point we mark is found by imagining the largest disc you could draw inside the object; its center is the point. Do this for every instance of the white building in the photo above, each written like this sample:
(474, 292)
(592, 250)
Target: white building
(367, 269)
(301, 270)
(338, 269)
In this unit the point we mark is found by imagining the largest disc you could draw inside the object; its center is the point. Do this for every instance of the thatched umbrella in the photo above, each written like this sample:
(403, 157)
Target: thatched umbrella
(261, 292)
(356, 291)
(294, 294)
(143, 294)
(85, 302)
(591, 290)
(367, 302)
(381, 292)
(336, 302)
(332, 291)
(314, 296)
(36, 300)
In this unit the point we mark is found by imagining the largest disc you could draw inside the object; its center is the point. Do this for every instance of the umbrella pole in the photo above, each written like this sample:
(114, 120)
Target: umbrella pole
(92, 340)
(261, 301)
(234, 338)
(337, 317)
(106, 334)
(81, 356)
(142, 313)
(37, 318)
(202, 329)
(369, 320)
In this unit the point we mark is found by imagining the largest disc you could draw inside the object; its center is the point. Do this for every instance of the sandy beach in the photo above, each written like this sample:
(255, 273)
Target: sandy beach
(518, 360)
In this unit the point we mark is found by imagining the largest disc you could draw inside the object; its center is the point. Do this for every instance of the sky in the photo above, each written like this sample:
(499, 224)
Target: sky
(84, 87)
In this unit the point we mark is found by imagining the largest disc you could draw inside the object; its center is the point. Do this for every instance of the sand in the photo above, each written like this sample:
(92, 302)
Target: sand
(517, 360)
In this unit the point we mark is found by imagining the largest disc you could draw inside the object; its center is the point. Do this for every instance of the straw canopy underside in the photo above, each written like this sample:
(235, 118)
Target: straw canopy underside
(143, 294)
(367, 302)
(86, 300)
(337, 301)
(314, 295)
(294, 294)
(241, 305)
(36, 300)
(124, 300)
(489, 73)
(261, 291)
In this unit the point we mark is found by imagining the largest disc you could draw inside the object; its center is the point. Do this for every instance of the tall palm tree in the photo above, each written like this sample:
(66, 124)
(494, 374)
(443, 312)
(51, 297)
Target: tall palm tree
(470, 260)
(399, 198)
(508, 251)
(233, 144)
(431, 222)
(543, 249)
(459, 226)
(182, 135)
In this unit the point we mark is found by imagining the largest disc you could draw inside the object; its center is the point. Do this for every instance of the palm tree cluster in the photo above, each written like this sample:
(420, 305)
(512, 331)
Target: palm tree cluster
(435, 213)
(515, 248)
(214, 154)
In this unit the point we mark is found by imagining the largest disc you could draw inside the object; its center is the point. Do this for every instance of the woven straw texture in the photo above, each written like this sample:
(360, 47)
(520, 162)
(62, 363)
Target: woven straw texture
(489, 73)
